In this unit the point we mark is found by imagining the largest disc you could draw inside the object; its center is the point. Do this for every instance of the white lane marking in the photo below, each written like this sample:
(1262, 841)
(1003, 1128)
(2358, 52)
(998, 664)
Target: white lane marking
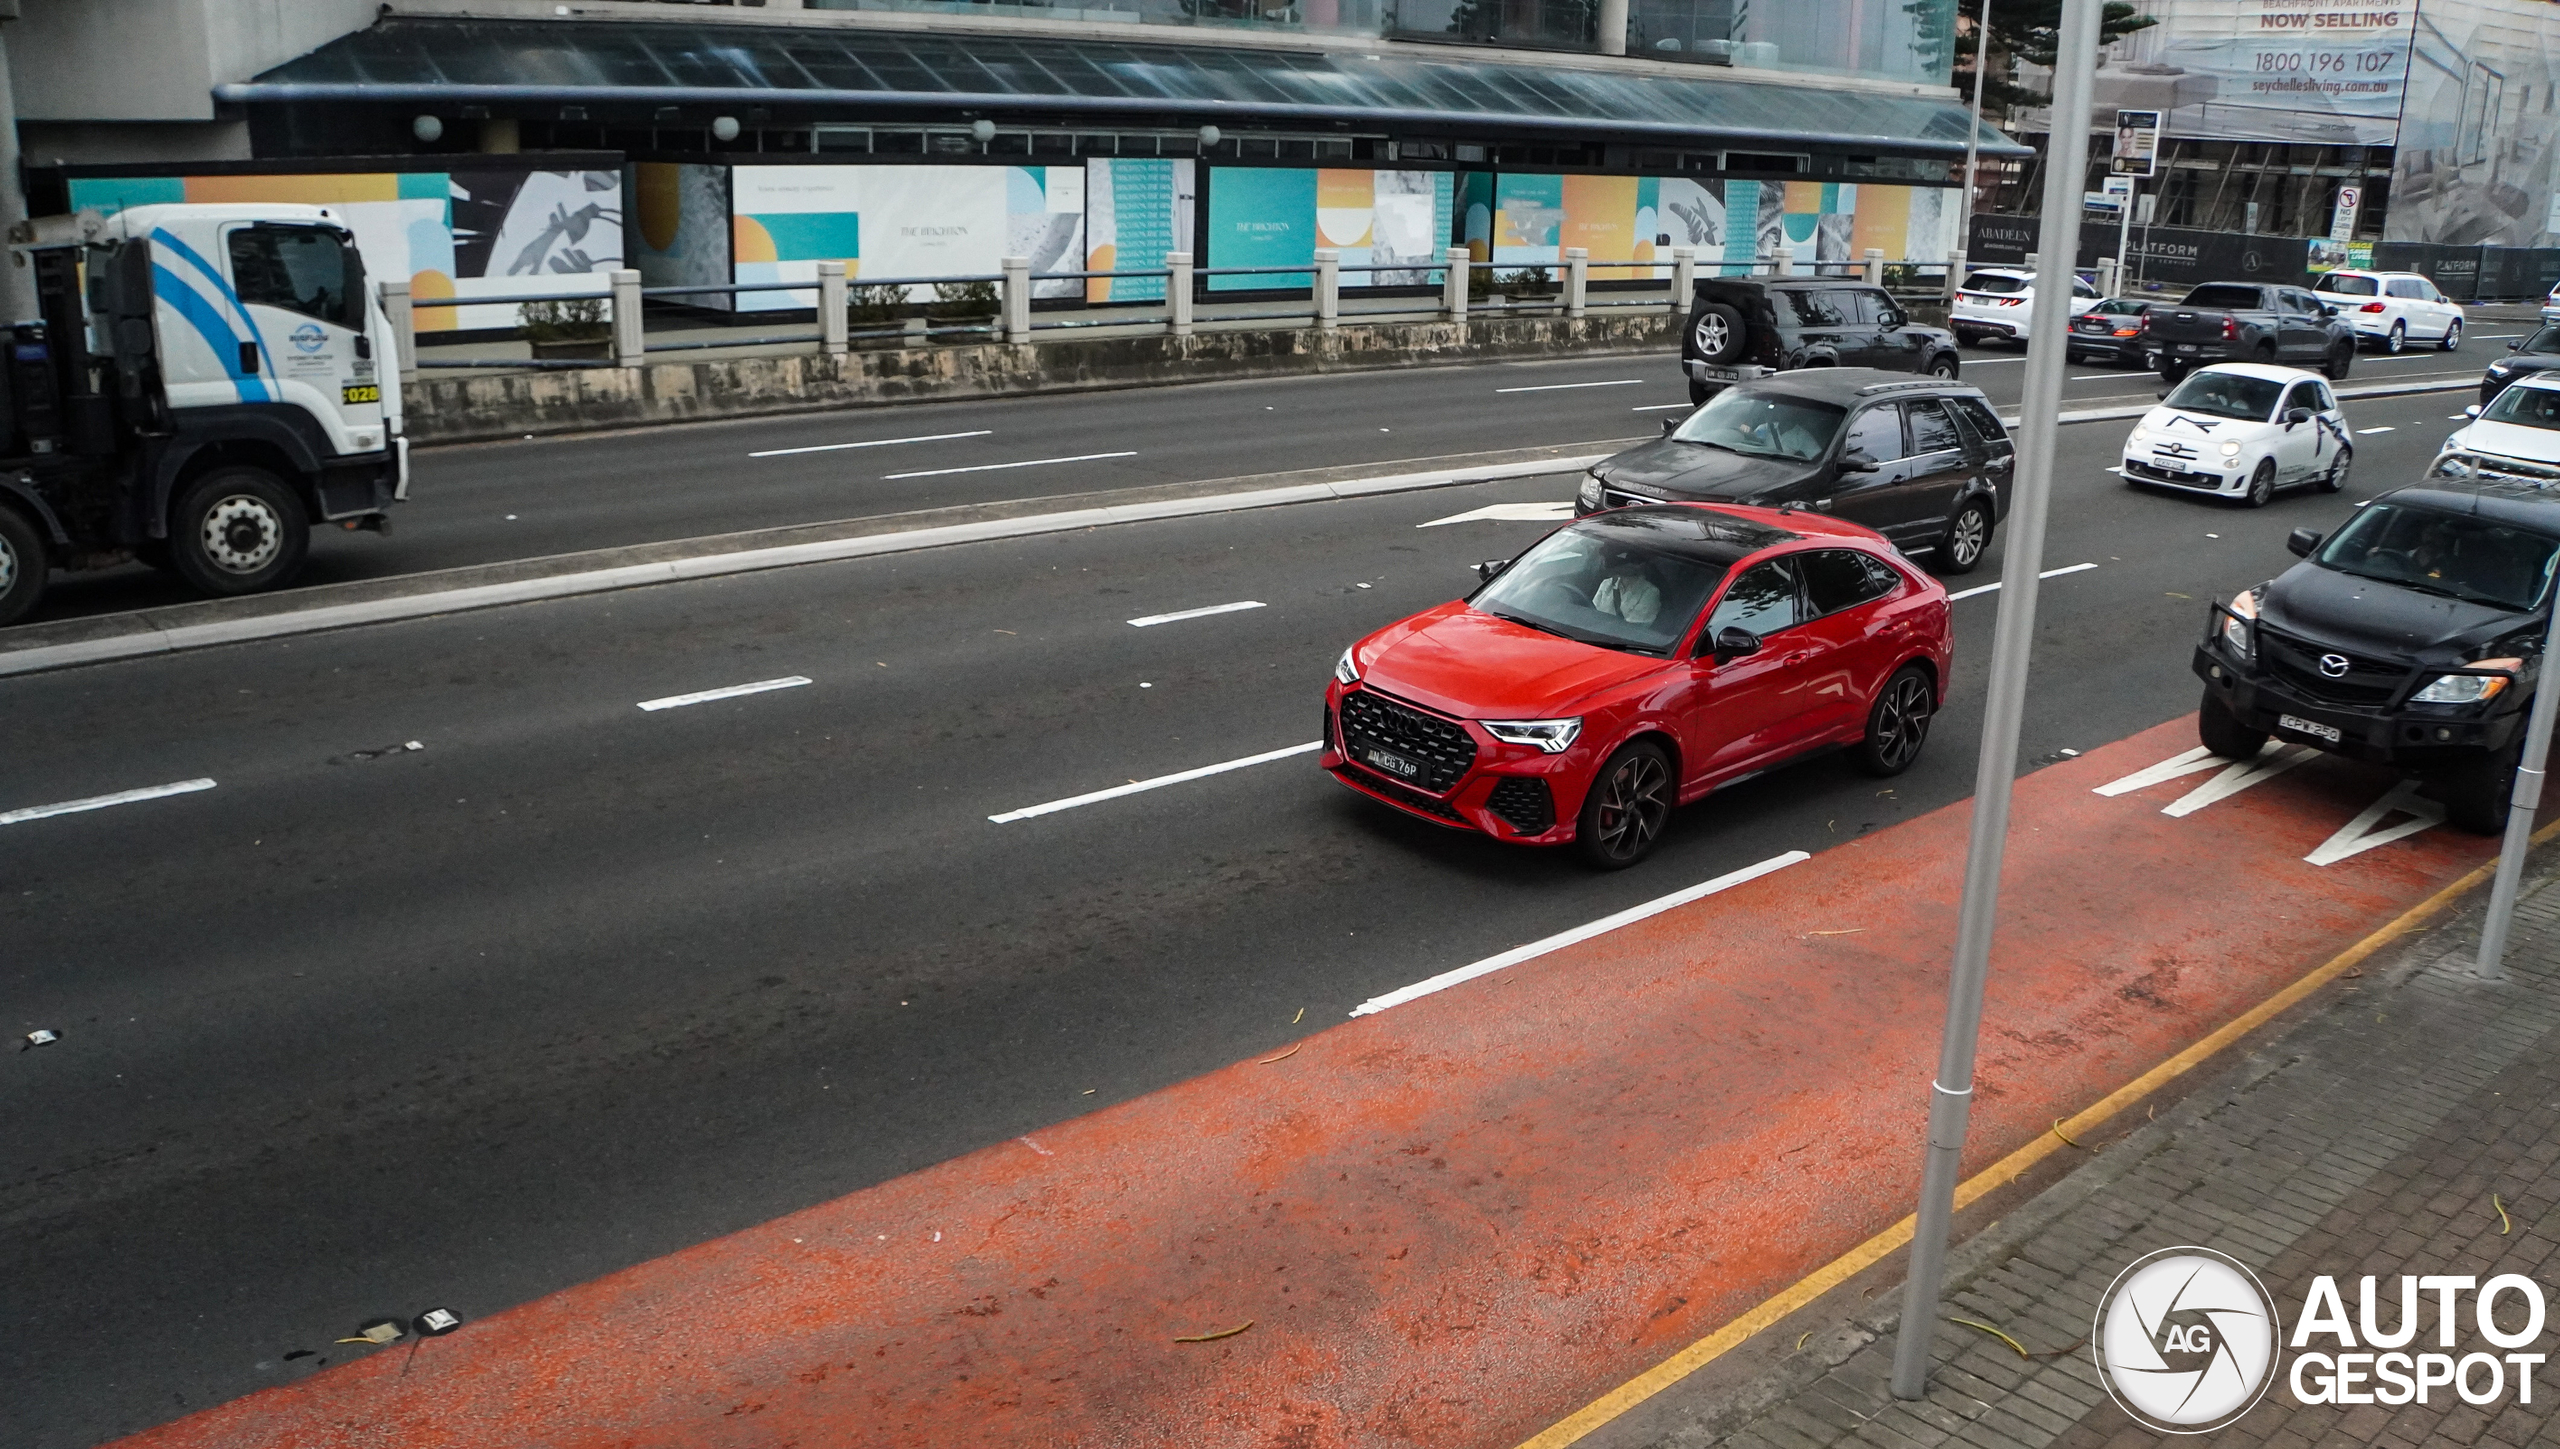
(2369, 432)
(2100, 376)
(101, 802)
(874, 443)
(1562, 939)
(2187, 763)
(2239, 776)
(2407, 357)
(1158, 783)
(996, 467)
(2047, 574)
(2358, 835)
(1509, 513)
(679, 701)
(1568, 386)
(1179, 615)
(1661, 407)
(1990, 361)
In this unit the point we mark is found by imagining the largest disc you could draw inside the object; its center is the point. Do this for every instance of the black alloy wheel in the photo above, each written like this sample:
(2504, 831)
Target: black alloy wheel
(22, 566)
(2398, 340)
(2221, 731)
(1898, 723)
(2264, 354)
(1629, 806)
(2262, 485)
(1967, 539)
(2335, 480)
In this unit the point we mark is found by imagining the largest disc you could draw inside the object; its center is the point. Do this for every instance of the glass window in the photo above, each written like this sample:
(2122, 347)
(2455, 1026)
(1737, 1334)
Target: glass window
(1763, 425)
(1874, 307)
(2227, 395)
(2455, 554)
(1819, 309)
(1877, 432)
(1986, 423)
(2346, 286)
(2545, 343)
(1887, 578)
(1995, 283)
(2526, 407)
(1932, 431)
(303, 269)
(1762, 600)
(1599, 585)
(1836, 579)
(2228, 296)
(2402, 287)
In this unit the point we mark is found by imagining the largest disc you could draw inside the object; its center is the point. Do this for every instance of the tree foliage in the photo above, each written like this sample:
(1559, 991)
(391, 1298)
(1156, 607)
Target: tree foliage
(2029, 31)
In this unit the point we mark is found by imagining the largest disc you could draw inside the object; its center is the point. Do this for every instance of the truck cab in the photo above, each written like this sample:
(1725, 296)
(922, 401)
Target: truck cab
(201, 387)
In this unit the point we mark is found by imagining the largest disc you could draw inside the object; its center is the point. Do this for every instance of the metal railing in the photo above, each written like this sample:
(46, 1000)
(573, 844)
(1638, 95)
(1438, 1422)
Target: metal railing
(1174, 307)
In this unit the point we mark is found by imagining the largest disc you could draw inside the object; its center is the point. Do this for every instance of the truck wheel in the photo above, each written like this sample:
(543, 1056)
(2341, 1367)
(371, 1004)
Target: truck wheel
(2452, 335)
(22, 566)
(2398, 340)
(1718, 333)
(237, 531)
(2174, 373)
(2477, 792)
(2341, 358)
(2264, 354)
(2221, 731)
(2262, 484)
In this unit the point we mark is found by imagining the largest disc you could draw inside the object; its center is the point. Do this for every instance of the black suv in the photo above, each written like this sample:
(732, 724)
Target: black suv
(1741, 328)
(2411, 637)
(1923, 461)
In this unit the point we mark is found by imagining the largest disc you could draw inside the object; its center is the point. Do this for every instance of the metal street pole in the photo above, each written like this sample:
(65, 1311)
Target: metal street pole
(2492, 965)
(1973, 137)
(1951, 1093)
(17, 282)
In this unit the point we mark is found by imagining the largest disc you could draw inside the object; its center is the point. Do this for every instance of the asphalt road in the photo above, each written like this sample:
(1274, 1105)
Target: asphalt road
(483, 503)
(363, 1029)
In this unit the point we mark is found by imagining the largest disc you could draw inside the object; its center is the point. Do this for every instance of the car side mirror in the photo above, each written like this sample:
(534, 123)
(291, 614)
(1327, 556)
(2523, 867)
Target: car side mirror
(2328, 311)
(1733, 642)
(2302, 541)
(2472, 411)
(1892, 319)
(2515, 347)
(1490, 567)
(1857, 460)
(1669, 425)
(2296, 417)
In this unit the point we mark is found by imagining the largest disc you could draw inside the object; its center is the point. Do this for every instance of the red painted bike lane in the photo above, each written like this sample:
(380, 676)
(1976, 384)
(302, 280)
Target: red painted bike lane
(1458, 1220)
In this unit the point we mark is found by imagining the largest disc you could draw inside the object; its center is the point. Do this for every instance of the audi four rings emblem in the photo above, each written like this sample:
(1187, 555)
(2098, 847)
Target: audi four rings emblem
(2333, 666)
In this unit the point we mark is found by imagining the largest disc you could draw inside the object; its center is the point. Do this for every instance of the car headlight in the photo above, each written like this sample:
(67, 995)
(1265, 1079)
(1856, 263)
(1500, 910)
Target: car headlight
(2231, 447)
(1589, 496)
(1551, 735)
(2500, 369)
(2238, 635)
(2140, 434)
(2468, 688)
(1346, 671)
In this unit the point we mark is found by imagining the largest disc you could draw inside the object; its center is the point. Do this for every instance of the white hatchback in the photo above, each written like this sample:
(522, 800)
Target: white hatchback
(2242, 430)
(1999, 304)
(2393, 309)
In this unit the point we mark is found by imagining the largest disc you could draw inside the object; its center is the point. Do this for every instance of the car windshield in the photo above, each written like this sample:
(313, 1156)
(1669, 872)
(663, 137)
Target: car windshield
(1995, 282)
(2454, 554)
(2119, 307)
(2223, 295)
(2545, 343)
(2525, 407)
(1597, 585)
(2352, 286)
(2227, 395)
(1763, 425)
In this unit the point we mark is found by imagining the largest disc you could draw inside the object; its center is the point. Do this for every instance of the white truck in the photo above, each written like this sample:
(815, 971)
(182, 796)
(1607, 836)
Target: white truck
(202, 386)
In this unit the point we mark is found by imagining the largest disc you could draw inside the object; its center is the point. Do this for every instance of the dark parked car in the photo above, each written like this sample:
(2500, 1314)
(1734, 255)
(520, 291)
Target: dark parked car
(2248, 322)
(2111, 332)
(2536, 354)
(2410, 637)
(1925, 462)
(1742, 328)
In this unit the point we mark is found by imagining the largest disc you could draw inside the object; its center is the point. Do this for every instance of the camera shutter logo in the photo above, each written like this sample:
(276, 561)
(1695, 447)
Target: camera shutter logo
(2186, 1340)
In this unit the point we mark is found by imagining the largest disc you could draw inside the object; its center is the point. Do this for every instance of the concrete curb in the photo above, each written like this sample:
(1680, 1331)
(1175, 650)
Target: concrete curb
(214, 622)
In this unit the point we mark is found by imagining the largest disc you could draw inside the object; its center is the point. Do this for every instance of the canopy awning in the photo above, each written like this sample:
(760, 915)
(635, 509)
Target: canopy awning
(421, 60)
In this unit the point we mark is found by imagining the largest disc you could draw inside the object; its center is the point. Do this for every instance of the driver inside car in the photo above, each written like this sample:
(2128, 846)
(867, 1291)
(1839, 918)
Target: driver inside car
(1629, 592)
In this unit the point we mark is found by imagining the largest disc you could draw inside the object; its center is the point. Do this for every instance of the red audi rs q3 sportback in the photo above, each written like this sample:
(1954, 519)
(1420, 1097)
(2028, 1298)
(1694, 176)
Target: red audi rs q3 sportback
(1636, 660)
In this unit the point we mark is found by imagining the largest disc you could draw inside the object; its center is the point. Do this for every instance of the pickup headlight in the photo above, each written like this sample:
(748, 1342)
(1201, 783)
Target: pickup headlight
(1346, 671)
(1589, 496)
(1554, 736)
(2239, 635)
(2468, 688)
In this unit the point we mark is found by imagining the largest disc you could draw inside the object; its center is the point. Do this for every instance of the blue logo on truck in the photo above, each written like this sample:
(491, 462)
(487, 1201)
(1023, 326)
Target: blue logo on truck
(309, 338)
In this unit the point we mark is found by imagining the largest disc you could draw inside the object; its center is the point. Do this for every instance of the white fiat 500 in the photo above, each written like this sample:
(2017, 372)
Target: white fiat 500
(2242, 430)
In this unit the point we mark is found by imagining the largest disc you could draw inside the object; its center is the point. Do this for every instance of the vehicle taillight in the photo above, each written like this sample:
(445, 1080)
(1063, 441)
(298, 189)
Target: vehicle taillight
(2127, 331)
(2146, 322)
(2230, 328)
(2370, 307)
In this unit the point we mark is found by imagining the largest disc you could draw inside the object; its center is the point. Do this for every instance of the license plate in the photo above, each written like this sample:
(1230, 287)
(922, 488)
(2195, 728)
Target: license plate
(2186, 347)
(2302, 726)
(360, 393)
(1396, 765)
(1712, 373)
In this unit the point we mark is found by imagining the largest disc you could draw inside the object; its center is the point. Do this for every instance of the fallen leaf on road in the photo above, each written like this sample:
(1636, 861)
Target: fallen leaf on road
(2065, 1136)
(1995, 1333)
(1223, 1333)
(1284, 1056)
(2503, 1224)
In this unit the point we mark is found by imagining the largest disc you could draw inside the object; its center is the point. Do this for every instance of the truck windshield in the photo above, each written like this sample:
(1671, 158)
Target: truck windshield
(2225, 295)
(2457, 555)
(305, 269)
(2525, 407)
(1763, 425)
(2227, 395)
(1594, 585)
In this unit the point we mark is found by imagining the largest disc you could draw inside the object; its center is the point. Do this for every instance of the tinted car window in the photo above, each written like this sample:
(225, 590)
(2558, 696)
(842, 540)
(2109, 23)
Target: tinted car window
(1763, 425)
(2544, 343)
(1600, 587)
(1874, 307)
(1836, 579)
(1877, 432)
(2225, 295)
(1931, 429)
(1986, 424)
(2526, 407)
(1993, 282)
(2348, 286)
(1819, 309)
(2403, 287)
(1886, 578)
(300, 268)
(1761, 599)
(2444, 553)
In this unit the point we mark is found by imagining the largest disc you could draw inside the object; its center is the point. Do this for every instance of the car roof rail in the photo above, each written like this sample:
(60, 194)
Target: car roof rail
(1876, 387)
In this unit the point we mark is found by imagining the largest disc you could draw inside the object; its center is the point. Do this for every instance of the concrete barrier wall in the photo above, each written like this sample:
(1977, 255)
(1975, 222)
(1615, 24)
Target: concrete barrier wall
(461, 409)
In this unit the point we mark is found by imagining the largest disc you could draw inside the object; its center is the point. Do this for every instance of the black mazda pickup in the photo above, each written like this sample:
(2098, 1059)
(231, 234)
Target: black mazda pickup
(2411, 637)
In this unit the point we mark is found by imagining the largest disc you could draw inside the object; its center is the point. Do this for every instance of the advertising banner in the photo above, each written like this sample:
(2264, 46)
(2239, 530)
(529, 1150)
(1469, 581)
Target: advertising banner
(2173, 256)
(2137, 149)
(1267, 217)
(906, 222)
(1528, 221)
(1136, 212)
(2477, 137)
(680, 233)
(490, 228)
(2316, 71)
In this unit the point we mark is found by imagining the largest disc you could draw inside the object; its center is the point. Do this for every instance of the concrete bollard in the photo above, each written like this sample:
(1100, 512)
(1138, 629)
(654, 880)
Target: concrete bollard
(1177, 293)
(630, 342)
(1453, 289)
(831, 313)
(1328, 288)
(1684, 278)
(404, 330)
(1017, 298)
(1577, 279)
(1875, 266)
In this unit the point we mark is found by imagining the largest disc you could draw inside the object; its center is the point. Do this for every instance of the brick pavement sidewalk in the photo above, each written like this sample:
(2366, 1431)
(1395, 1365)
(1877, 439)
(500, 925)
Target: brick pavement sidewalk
(2368, 1137)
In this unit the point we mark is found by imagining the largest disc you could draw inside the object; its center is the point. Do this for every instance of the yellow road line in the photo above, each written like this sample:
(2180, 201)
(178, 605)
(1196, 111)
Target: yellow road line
(1572, 1428)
